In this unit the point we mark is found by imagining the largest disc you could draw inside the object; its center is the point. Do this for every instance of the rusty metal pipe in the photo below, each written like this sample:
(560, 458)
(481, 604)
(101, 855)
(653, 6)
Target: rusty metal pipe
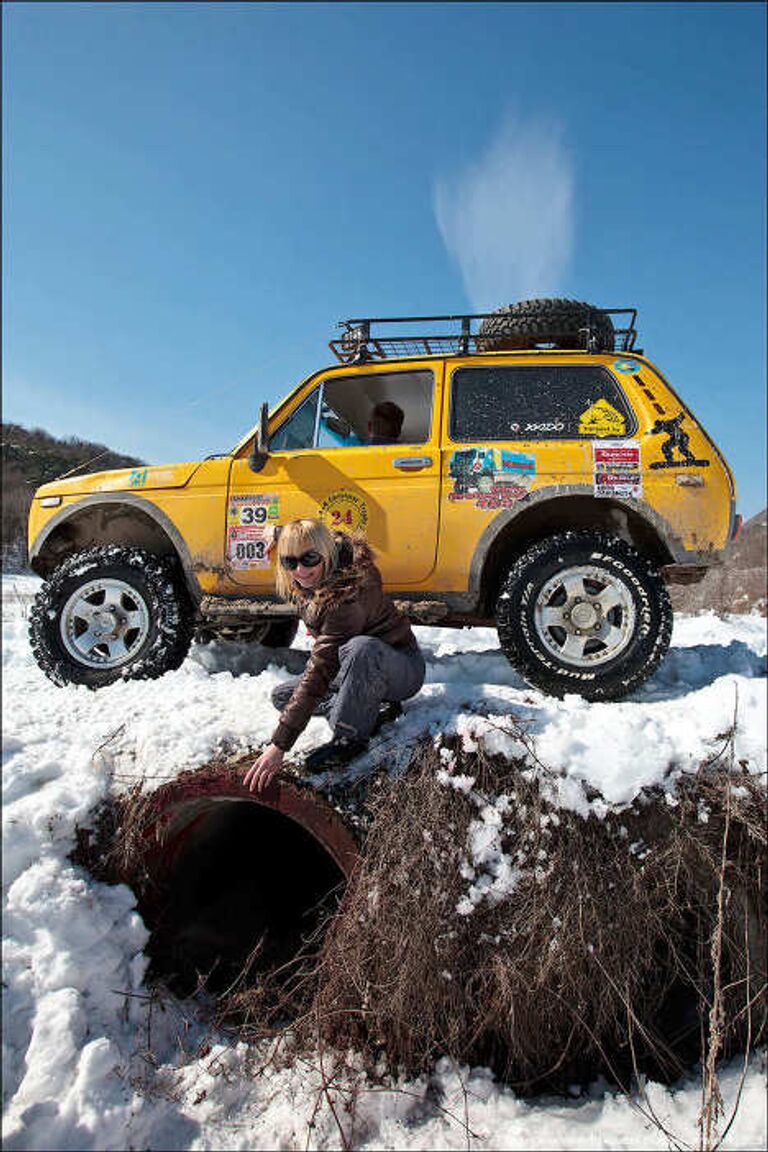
(229, 872)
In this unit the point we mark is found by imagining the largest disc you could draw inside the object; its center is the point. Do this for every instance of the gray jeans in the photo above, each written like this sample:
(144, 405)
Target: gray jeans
(370, 672)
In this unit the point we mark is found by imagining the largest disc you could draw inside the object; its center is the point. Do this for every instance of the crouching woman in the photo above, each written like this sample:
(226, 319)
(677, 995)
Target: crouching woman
(364, 660)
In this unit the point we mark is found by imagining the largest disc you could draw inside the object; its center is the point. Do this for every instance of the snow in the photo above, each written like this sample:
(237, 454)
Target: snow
(487, 866)
(78, 1027)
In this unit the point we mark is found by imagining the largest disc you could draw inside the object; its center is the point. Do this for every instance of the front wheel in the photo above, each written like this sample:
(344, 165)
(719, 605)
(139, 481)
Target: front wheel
(586, 613)
(110, 613)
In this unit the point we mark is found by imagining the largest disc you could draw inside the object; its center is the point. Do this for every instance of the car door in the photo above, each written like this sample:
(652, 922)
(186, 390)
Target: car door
(321, 464)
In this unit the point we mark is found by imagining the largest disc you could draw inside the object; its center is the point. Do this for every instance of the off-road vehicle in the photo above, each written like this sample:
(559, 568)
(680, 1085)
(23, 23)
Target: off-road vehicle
(546, 478)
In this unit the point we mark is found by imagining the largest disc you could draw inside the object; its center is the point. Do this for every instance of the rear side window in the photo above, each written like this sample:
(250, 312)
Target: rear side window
(537, 402)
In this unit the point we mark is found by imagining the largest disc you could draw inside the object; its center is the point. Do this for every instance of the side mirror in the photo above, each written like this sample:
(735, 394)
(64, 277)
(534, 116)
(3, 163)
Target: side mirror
(260, 452)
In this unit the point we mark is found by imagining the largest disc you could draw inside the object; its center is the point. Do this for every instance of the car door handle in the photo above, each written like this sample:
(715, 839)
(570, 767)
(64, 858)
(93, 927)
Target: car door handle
(412, 463)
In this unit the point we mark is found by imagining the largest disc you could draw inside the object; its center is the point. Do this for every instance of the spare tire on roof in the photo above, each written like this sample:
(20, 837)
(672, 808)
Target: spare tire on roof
(558, 322)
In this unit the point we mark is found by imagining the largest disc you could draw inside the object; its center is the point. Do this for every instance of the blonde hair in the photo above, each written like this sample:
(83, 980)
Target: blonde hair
(300, 536)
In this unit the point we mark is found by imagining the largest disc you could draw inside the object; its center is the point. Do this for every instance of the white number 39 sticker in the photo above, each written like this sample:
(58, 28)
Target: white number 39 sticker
(251, 522)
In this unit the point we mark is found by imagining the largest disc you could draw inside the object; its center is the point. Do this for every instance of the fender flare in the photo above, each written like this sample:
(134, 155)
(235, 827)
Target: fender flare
(503, 519)
(146, 507)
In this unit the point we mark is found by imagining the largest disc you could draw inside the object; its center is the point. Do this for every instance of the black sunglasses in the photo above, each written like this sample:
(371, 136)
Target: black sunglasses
(307, 560)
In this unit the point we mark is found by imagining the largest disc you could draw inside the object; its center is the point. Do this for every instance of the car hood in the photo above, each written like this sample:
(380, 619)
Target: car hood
(137, 480)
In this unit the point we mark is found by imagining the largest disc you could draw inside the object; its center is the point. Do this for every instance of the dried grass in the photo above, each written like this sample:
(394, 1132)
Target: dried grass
(592, 964)
(624, 942)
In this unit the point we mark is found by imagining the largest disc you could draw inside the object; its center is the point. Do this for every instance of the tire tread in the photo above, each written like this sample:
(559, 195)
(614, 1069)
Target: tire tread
(548, 320)
(615, 680)
(172, 624)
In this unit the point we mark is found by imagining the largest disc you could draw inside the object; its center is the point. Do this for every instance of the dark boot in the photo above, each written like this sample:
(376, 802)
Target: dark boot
(335, 754)
(388, 711)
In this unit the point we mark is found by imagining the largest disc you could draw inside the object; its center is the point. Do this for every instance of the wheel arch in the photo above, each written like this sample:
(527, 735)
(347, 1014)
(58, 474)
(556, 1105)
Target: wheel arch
(547, 512)
(112, 518)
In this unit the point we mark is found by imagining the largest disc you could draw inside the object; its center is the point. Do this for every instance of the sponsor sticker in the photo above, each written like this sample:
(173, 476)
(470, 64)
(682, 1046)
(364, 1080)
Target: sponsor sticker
(546, 426)
(675, 448)
(602, 419)
(626, 366)
(617, 470)
(490, 477)
(248, 547)
(253, 508)
(251, 522)
(344, 510)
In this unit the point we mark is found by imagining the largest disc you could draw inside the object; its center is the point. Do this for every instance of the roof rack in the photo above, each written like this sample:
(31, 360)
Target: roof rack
(457, 336)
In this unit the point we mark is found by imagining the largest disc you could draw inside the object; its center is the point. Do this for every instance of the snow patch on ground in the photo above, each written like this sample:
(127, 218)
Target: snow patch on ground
(77, 1023)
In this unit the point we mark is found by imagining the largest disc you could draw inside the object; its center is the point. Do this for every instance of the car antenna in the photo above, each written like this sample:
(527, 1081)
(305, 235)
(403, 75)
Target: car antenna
(82, 464)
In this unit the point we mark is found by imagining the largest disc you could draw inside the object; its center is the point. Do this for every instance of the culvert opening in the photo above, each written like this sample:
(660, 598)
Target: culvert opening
(236, 883)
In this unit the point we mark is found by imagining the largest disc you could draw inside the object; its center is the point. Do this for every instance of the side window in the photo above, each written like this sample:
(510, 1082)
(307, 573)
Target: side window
(357, 411)
(298, 431)
(538, 402)
(376, 408)
(335, 430)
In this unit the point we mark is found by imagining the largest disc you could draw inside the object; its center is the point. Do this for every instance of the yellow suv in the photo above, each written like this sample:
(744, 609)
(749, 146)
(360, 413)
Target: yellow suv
(539, 473)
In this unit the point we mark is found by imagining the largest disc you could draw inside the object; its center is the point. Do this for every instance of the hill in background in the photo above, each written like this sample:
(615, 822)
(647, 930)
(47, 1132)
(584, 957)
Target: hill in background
(739, 584)
(32, 457)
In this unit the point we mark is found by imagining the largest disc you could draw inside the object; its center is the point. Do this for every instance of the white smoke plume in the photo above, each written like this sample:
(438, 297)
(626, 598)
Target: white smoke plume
(507, 218)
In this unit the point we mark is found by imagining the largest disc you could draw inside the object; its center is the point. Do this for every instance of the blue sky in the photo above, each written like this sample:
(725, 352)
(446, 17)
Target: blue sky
(195, 193)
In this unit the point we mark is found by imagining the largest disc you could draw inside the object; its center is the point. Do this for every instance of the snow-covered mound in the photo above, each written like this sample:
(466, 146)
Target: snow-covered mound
(76, 1015)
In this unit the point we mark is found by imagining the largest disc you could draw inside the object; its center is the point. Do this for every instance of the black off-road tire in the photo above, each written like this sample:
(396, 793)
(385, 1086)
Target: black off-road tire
(552, 320)
(139, 582)
(541, 612)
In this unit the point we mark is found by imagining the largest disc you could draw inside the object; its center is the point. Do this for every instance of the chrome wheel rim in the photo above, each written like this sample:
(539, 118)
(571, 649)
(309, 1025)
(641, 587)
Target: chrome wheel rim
(585, 616)
(104, 624)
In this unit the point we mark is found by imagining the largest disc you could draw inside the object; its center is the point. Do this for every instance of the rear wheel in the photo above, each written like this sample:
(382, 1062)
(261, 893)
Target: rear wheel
(584, 612)
(110, 613)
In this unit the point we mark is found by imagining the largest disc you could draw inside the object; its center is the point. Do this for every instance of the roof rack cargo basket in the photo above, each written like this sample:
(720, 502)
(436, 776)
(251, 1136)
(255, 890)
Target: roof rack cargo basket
(448, 336)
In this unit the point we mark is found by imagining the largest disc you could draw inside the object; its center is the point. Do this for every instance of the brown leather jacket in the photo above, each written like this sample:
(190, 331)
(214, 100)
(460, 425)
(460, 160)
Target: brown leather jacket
(350, 604)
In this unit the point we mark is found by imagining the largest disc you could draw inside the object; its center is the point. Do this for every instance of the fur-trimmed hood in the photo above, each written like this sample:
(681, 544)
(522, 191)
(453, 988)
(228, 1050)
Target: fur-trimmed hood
(356, 562)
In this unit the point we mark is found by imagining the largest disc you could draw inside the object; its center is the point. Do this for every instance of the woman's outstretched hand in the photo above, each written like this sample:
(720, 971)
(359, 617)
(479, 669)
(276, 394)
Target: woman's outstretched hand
(262, 770)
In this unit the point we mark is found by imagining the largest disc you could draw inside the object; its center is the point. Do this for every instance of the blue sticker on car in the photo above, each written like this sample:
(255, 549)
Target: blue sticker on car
(627, 365)
(491, 477)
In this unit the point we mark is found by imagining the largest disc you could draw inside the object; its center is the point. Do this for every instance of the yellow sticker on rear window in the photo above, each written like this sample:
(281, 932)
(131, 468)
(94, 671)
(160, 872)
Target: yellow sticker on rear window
(602, 419)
